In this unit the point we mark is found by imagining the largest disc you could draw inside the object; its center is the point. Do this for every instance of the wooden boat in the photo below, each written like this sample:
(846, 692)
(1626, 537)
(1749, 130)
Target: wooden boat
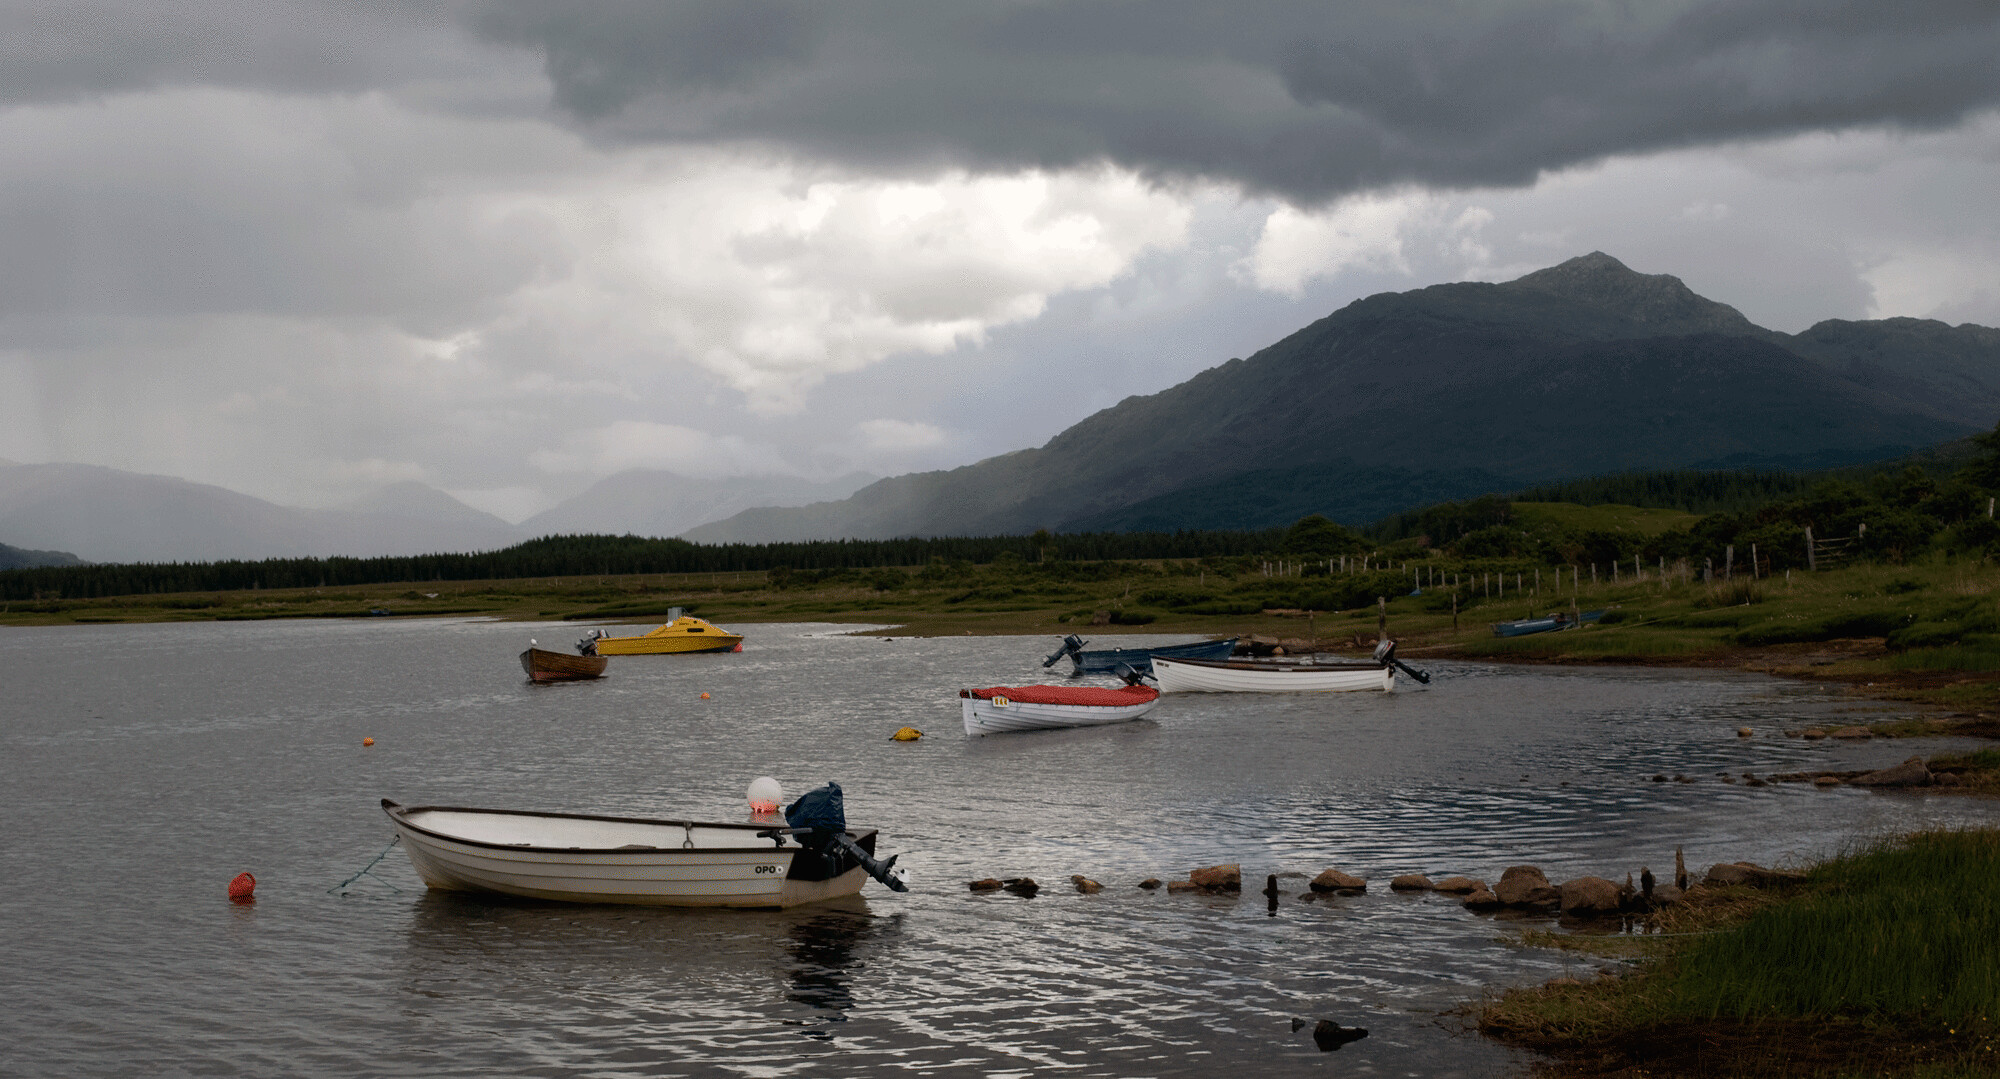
(1521, 627)
(1263, 676)
(543, 665)
(575, 858)
(1108, 660)
(681, 633)
(999, 709)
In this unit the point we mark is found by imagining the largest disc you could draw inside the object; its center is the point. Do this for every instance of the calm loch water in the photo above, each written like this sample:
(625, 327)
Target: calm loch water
(145, 766)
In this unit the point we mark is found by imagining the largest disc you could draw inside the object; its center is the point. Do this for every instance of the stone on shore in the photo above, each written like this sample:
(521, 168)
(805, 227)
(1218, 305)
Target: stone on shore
(1750, 873)
(1520, 884)
(1150, 883)
(987, 885)
(1410, 882)
(1175, 887)
(1910, 773)
(1826, 781)
(1459, 886)
(1085, 884)
(1333, 880)
(1218, 878)
(1590, 895)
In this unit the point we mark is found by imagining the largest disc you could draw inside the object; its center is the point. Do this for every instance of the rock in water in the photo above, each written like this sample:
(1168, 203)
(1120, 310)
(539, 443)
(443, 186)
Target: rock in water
(1482, 899)
(1333, 880)
(1085, 884)
(1589, 895)
(1329, 1035)
(1150, 883)
(1022, 886)
(1459, 886)
(987, 885)
(1410, 882)
(1520, 884)
(1219, 878)
(1910, 773)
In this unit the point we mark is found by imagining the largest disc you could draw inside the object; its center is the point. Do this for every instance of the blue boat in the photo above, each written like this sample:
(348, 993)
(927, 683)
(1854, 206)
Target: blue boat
(1108, 660)
(1560, 620)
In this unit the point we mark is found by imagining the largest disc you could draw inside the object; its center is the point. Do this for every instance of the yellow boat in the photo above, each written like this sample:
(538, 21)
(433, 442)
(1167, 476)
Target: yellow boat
(684, 633)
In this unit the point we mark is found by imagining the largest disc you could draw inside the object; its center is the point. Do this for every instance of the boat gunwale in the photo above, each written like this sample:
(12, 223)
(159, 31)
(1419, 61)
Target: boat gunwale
(398, 813)
(1281, 668)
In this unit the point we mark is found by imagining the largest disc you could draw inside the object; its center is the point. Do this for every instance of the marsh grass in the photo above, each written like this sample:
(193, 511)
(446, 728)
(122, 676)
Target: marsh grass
(1884, 962)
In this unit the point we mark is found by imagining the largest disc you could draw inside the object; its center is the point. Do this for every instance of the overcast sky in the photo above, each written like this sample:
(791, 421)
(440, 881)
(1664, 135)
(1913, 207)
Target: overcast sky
(507, 249)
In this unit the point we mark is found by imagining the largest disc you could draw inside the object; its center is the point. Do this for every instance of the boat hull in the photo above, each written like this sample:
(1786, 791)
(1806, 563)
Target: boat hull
(1182, 676)
(455, 849)
(682, 636)
(543, 665)
(984, 717)
(1106, 660)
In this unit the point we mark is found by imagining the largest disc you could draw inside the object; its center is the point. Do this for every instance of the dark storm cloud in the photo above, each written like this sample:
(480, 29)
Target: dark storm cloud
(54, 52)
(1307, 99)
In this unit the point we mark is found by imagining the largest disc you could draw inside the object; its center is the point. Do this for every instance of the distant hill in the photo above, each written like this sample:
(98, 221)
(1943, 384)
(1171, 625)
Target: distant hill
(1402, 399)
(651, 502)
(108, 515)
(16, 558)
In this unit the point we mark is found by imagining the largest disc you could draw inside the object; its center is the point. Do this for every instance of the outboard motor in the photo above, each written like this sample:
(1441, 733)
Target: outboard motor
(819, 820)
(1130, 676)
(1072, 646)
(1385, 654)
(587, 644)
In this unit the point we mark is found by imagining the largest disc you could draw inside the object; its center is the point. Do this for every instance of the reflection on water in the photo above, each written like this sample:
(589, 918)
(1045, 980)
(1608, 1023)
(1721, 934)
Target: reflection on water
(824, 948)
(144, 766)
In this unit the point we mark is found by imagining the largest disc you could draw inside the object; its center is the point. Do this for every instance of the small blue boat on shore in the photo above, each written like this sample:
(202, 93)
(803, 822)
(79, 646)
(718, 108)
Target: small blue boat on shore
(1560, 620)
(1108, 660)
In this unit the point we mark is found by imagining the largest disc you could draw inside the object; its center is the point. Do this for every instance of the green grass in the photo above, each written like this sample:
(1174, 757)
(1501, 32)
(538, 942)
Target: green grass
(1907, 931)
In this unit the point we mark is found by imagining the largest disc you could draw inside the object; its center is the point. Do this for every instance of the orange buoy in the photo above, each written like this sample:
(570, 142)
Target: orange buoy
(704, 696)
(243, 889)
(368, 741)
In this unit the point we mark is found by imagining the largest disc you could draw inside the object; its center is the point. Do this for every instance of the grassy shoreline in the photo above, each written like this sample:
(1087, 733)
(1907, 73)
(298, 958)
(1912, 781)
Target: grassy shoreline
(1927, 632)
(1884, 962)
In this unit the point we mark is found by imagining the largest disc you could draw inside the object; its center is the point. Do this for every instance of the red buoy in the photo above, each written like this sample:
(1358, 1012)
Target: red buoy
(243, 889)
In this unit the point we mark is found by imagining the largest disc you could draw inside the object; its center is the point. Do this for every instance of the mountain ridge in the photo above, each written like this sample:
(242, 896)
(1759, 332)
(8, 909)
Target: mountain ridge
(1582, 367)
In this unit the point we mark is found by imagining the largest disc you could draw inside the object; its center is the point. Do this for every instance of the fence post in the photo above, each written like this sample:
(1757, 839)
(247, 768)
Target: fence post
(1811, 562)
(1753, 561)
(1381, 618)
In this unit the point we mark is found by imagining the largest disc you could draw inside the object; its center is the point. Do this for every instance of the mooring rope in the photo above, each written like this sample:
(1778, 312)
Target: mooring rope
(365, 871)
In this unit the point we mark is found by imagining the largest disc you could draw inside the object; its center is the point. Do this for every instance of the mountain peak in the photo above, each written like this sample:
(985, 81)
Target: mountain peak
(1657, 300)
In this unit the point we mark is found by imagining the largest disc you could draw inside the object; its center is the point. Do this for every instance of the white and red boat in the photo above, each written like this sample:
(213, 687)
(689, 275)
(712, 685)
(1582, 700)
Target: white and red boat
(998, 709)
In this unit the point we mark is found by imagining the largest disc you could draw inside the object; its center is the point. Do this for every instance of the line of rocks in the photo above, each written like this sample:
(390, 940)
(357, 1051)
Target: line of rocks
(1521, 887)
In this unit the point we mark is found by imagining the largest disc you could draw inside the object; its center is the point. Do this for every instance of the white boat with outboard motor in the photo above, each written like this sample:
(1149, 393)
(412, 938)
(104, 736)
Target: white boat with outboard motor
(806, 856)
(1285, 676)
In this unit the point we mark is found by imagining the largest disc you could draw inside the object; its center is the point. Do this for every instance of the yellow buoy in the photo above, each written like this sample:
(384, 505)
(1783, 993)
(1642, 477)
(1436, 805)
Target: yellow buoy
(368, 741)
(907, 734)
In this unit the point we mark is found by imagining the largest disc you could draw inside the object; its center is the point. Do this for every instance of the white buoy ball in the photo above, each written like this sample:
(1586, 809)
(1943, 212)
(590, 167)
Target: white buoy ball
(765, 795)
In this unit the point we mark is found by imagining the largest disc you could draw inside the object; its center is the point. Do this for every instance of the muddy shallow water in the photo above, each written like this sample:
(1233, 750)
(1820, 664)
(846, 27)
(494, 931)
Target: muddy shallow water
(146, 765)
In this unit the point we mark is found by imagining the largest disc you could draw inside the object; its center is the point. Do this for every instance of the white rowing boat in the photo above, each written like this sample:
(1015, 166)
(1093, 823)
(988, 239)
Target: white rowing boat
(1001, 709)
(1202, 676)
(577, 858)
